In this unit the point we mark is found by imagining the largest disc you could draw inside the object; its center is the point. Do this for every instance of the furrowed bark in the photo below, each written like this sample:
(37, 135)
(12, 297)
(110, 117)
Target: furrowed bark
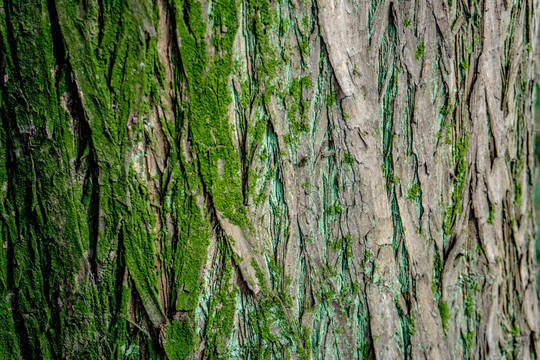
(262, 179)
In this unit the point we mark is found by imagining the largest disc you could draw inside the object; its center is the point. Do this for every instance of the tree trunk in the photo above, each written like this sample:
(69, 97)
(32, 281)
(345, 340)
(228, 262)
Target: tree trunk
(264, 179)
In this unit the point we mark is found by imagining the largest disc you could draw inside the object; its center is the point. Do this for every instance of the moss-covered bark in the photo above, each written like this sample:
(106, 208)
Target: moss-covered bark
(267, 179)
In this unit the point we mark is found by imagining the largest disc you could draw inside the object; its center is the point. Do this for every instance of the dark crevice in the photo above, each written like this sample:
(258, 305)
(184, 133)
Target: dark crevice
(101, 9)
(242, 123)
(121, 276)
(142, 326)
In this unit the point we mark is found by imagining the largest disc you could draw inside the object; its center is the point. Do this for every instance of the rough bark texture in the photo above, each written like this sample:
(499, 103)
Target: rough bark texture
(267, 179)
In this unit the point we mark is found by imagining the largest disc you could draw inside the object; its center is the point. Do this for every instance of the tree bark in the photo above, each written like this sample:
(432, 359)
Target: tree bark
(268, 179)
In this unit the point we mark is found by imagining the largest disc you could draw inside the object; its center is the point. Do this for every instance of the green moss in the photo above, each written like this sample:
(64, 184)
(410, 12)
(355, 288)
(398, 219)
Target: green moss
(469, 305)
(456, 206)
(518, 193)
(348, 159)
(491, 214)
(436, 285)
(179, 340)
(420, 50)
(287, 139)
(445, 110)
(207, 111)
(260, 198)
(222, 307)
(413, 192)
(515, 331)
(337, 244)
(470, 339)
(367, 255)
(407, 22)
(331, 98)
(444, 311)
(334, 210)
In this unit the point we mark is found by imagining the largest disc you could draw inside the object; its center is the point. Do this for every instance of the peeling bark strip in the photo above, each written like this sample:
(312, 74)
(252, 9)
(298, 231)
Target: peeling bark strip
(263, 180)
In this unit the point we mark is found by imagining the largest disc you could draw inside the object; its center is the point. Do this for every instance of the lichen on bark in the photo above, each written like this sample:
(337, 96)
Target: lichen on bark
(267, 179)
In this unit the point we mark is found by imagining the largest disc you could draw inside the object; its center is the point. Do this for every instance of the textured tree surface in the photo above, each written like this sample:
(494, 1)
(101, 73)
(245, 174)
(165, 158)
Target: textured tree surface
(264, 179)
